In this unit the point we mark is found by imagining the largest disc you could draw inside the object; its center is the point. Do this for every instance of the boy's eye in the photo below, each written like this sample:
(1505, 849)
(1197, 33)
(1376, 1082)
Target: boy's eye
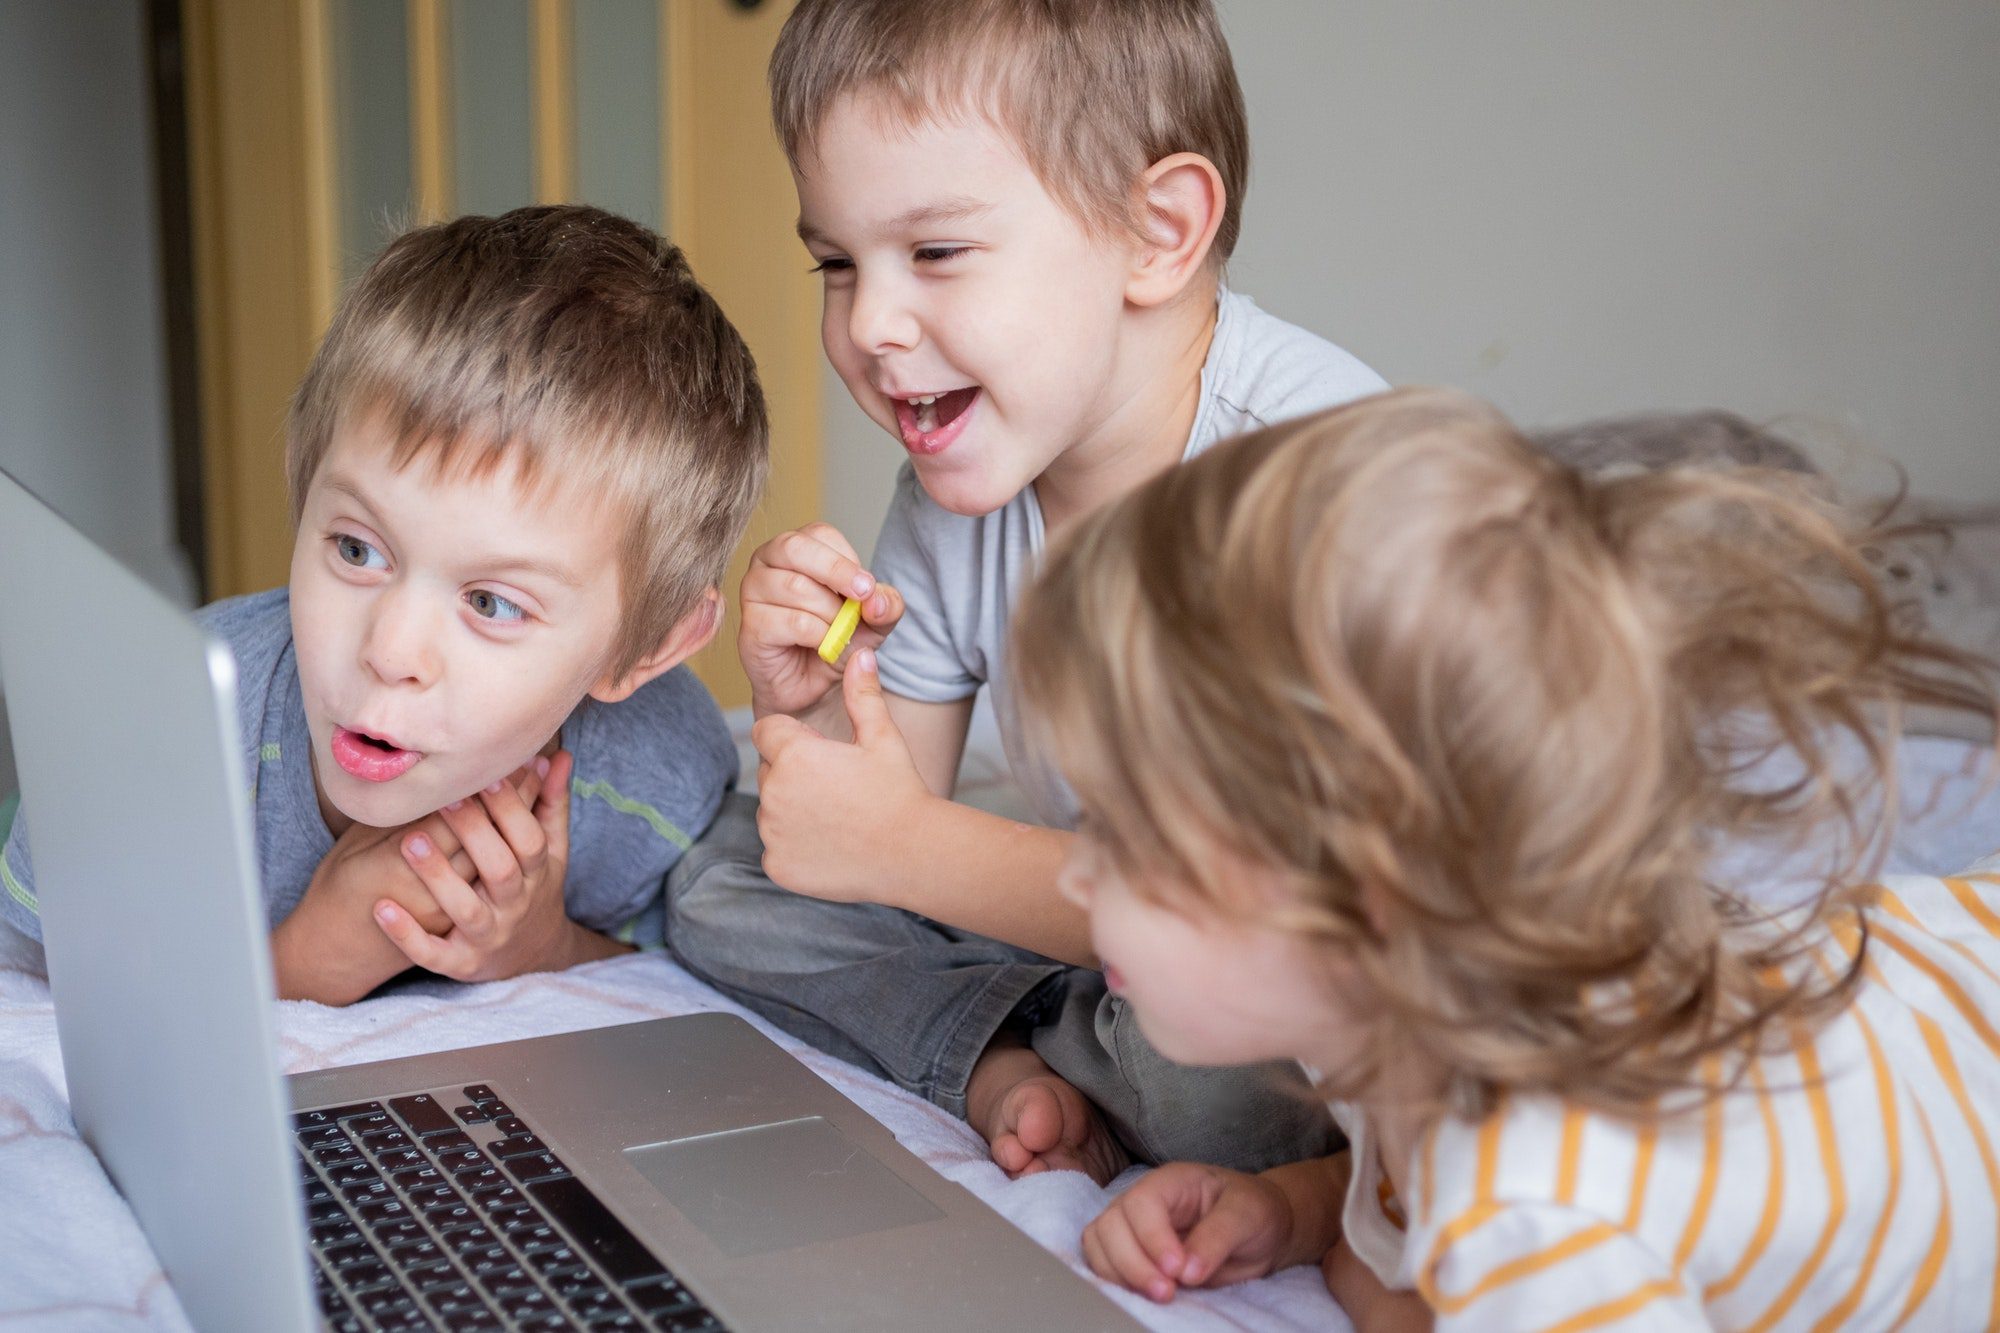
(492, 606)
(358, 553)
(934, 254)
(832, 264)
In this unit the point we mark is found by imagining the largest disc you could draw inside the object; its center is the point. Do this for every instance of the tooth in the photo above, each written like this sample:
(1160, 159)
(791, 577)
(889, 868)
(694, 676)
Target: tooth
(927, 416)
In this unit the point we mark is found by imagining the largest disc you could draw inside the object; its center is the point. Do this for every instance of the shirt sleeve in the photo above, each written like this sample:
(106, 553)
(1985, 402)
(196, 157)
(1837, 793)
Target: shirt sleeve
(919, 660)
(19, 906)
(1545, 1266)
(651, 772)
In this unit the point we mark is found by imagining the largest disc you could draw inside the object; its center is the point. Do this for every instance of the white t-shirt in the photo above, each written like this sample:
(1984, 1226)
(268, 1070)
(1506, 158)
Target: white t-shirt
(959, 576)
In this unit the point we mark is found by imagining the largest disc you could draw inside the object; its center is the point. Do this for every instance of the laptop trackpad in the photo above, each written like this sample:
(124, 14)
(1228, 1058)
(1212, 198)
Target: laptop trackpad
(773, 1187)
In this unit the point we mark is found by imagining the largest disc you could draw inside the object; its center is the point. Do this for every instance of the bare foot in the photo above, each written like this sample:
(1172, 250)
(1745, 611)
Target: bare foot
(1034, 1120)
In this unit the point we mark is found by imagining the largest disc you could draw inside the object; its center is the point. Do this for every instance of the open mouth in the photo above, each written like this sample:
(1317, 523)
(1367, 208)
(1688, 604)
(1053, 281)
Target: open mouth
(371, 758)
(931, 421)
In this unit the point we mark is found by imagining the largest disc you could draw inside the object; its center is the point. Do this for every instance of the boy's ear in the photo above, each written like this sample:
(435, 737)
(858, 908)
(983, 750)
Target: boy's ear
(690, 634)
(1181, 197)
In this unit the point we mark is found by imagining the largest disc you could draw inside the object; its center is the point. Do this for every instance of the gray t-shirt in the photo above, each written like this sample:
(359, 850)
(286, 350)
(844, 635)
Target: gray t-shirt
(959, 576)
(650, 773)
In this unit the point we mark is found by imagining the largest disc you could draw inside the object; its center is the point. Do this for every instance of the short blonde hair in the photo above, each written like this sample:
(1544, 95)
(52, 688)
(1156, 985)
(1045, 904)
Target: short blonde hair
(579, 344)
(1397, 645)
(1092, 91)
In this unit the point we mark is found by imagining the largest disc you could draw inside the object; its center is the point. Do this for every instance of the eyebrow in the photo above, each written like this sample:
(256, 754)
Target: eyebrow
(489, 564)
(962, 208)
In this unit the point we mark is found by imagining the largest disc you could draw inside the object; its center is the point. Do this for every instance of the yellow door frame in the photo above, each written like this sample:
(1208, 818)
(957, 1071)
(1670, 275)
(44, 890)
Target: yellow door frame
(263, 196)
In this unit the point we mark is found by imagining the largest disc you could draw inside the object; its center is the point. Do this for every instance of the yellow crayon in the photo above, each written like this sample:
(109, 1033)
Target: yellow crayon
(840, 631)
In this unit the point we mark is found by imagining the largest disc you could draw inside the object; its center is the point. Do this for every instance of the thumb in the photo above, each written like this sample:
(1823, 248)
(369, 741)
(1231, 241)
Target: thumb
(775, 733)
(861, 687)
(1211, 1244)
(552, 803)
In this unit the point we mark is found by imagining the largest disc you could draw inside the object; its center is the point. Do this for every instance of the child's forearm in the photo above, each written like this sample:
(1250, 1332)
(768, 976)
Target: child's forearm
(307, 967)
(1316, 1191)
(590, 946)
(992, 876)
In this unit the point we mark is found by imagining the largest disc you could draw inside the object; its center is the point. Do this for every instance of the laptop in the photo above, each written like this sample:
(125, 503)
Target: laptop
(680, 1175)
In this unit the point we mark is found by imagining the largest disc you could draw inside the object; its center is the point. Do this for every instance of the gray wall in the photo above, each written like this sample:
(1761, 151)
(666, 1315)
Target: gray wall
(83, 418)
(1578, 207)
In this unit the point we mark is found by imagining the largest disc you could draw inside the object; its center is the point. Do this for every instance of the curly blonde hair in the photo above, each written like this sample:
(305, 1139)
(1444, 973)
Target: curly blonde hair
(1397, 645)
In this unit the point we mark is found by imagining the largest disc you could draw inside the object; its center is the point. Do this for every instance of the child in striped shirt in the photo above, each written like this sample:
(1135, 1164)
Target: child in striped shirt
(1405, 752)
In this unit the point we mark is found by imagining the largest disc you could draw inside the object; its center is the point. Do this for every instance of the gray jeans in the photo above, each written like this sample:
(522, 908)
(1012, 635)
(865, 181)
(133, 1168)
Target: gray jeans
(918, 1003)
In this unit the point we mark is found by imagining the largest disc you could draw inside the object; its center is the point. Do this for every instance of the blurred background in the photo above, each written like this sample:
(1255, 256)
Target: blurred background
(1575, 207)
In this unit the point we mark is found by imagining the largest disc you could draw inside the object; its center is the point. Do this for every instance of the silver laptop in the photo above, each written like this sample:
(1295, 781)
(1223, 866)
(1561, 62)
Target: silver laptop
(682, 1174)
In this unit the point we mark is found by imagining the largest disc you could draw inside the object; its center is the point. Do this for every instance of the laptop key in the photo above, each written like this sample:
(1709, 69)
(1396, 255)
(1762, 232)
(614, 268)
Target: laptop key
(511, 1282)
(316, 1189)
(518, 1146)
(474, 1179)
(537, 1166)
(486, 1261)
(521, 1304)
(385, 1301)
(422, 1114)
(588, 1305)
(426, 1197)
(326, 1208)
(462, 1159)
(448, 1141)
(327, 1116)
(403, 1231)
(662, 1297)
(687, 1321)
(366, 1191)
(365, 1273)
(597, 1229)
(474, 1237)
(417, 1177)
(385, 1140)
(415, 1251)
(472, 1115)
(334, 1234)
(352, 1173)
(479, 1092)
(540, 1236)
(382, 1211)
(365, 1125)
(495, 1198)
(511, 1126)
(448, 1215)
(614, 1319)
(401, 1159)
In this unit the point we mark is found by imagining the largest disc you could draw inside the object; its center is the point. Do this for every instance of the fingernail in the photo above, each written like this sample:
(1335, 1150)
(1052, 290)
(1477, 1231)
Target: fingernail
(878, 607)
(419, 845)
(494, 790)
(542, 767)
(1161, 1290)
(1192, 1272)
(385, 914)
(1170, 1263)
(865, 659)
(863, 585)
(453, 805)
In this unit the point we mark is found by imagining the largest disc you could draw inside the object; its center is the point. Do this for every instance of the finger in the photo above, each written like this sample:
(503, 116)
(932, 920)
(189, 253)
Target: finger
(1129, 1259)
(861, 688)
(1150, 1215)
(820, 552)
(517, 824)
(1094, 1256)
(1211, 1244)
(884, 609)
(422, 948)
(499, 872)
(777, 732)
(433, 827)
(552, 810)
(468, 911)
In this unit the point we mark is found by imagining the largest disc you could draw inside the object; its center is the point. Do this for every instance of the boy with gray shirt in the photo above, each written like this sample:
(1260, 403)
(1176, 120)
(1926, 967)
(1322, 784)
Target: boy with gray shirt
(1020, 213)
(518, 463)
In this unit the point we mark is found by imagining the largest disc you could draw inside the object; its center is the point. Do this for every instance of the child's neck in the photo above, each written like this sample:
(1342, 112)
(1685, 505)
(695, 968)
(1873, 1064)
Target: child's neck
(1149, 410)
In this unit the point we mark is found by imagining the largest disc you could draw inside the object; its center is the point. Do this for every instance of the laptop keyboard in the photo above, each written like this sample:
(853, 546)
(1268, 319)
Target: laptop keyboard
(415, 1224)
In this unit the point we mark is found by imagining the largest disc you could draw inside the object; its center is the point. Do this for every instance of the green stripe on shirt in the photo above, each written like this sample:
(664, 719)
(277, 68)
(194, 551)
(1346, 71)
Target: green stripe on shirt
(17, 890)
(624, 804)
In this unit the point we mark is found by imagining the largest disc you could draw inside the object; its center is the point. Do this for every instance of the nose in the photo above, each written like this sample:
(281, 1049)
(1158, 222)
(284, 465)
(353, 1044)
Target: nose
(400, 646)
(881, 319)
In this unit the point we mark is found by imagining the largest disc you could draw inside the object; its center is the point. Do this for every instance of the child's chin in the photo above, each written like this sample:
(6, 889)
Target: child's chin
(382, 806)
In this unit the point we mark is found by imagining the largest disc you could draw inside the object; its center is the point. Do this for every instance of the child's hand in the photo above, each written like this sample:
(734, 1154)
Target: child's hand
(826, 807)
(1188, 1225)
(1373, 1307)
(508, 917)
(793, 589)
(329, 948)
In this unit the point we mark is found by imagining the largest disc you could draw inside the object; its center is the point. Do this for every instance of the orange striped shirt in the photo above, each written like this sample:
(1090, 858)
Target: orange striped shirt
(1852, 1182)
